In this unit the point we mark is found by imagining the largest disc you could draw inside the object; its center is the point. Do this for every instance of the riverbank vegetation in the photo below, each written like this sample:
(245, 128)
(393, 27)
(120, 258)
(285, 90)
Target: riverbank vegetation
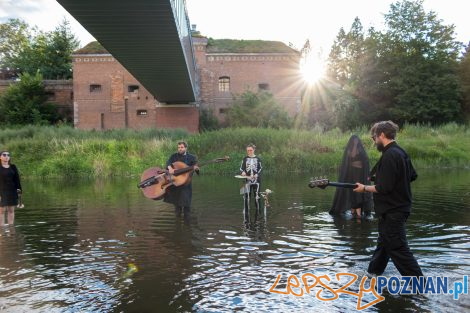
(48, 151)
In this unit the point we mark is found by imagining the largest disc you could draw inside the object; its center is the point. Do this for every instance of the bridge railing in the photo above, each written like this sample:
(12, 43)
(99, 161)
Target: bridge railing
(184, 31)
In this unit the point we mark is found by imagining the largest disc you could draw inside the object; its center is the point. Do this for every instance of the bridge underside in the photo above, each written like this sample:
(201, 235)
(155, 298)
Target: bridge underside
(143, 36)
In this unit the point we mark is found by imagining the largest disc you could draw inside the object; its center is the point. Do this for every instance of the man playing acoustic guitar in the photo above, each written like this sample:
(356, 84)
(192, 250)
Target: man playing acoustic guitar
(181, 196)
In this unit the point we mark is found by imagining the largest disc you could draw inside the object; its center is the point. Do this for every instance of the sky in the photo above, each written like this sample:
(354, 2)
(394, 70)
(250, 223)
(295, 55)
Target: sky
(289, 21)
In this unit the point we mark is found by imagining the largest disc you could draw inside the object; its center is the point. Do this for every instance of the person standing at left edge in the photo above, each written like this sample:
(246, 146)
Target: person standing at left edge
(181, 196)
(10, 187)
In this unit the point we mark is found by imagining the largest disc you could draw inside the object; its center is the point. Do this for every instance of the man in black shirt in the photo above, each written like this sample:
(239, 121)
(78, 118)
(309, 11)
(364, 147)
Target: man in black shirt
(392, 200)
(181, 196)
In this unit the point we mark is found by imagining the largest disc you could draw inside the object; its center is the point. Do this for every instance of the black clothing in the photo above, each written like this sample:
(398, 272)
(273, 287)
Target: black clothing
(392, 243)
(180, 196)
(354, 168)
(9, 184)
(394, 172)
(251, 189)
(251, 166)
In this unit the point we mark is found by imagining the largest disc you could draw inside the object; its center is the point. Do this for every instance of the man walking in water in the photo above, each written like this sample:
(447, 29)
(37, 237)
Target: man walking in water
(392, 200)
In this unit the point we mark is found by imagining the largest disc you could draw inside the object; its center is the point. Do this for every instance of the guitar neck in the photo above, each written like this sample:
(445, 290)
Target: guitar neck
(190, 168)
(342, 185)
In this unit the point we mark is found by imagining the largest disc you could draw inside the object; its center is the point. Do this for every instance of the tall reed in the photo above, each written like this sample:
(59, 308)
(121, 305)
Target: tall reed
(64, 151)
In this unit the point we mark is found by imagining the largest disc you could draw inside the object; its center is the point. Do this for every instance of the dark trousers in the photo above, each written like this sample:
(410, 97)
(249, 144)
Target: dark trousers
(392, 244)
(185, 210)
(254, 189)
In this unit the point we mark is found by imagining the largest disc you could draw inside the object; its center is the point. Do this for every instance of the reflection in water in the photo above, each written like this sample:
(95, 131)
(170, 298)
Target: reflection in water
(74, 246)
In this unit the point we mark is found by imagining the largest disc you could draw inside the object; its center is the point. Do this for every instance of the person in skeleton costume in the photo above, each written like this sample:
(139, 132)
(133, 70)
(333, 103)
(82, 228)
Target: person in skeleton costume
(251, 168)
(354, 168)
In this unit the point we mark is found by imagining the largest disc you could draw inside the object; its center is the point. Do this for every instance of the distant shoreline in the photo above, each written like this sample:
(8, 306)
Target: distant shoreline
(48, 151)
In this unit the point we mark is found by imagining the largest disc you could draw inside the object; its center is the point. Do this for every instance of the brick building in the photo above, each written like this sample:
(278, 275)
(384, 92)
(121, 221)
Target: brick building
(107, 96)
(228, 68)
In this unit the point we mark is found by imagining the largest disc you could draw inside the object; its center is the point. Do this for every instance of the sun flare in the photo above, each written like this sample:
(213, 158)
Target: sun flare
(312, 69)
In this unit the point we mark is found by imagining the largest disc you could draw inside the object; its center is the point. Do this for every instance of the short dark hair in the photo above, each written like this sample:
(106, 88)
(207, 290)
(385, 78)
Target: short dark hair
(251, 145)
(184, 143)
(389, 128)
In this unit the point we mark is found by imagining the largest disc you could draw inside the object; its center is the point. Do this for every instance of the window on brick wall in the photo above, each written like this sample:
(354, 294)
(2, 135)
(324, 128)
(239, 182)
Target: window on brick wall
(95, 88)
(223, 110)
(50, 95)
(224, 83)
(263, 86)
(141, 112)
(132, 88)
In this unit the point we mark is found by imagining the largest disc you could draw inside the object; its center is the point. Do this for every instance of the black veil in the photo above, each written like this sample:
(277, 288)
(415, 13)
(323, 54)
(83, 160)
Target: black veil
(354, 168)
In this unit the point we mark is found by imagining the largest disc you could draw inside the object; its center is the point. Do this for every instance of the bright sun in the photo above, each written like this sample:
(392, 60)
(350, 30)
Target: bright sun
(312, 69)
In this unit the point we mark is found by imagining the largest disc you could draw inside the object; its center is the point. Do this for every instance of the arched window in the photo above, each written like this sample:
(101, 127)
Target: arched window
(224, 83)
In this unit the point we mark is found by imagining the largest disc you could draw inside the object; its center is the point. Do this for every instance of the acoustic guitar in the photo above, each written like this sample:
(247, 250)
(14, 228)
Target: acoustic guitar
(324, 182)
(155, 181)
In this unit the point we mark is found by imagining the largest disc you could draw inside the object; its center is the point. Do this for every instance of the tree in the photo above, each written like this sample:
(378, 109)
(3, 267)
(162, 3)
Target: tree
(337, 69)
(207, 120)
(27, 50)
(15, 37)
(257, 110)
(420, 57)
(464, 72)
(24, 102)
(58, 54)
(346, 53)
(407, 73)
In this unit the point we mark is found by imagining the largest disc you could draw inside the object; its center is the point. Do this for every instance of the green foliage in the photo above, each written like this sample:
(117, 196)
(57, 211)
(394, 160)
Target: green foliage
(424, 54)
(464, 73)
(61, 44)
(15, 36)
(407, 73)
(67, 152)
(27, 51)
(207, 120)
(93, 47)
(247, 46)
(24, 102)
(257, 110)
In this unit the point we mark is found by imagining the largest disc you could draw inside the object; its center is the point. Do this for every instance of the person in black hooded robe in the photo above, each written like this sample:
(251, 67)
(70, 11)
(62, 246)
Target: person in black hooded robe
(354, 168)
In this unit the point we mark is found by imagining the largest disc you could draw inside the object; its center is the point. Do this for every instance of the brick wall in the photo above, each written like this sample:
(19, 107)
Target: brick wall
(278, 72)
(107, 96)
(178, 117)
(60, 93)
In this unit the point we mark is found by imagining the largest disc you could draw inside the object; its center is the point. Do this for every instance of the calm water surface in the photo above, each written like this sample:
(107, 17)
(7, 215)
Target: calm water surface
(73, 246)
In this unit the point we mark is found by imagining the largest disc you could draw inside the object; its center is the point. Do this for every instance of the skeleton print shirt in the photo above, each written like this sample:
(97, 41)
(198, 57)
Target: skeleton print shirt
(252, 166)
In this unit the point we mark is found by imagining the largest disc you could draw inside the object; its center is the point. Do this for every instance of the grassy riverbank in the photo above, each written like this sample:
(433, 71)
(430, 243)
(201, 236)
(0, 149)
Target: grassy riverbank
(63, 151)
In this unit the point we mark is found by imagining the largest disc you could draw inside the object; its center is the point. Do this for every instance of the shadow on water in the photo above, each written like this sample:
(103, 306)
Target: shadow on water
(100, 246)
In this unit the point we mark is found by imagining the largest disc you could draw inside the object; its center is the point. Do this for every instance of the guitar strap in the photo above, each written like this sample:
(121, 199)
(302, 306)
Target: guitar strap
(373, 171)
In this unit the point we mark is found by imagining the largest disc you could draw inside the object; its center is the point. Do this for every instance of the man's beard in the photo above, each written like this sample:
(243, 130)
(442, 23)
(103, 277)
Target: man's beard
(380, 146)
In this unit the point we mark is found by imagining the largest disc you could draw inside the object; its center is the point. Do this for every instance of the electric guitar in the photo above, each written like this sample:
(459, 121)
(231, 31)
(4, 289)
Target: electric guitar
(324, 182)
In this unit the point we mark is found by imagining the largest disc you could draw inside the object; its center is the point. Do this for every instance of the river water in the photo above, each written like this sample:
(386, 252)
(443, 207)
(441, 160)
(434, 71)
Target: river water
(100, 246)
